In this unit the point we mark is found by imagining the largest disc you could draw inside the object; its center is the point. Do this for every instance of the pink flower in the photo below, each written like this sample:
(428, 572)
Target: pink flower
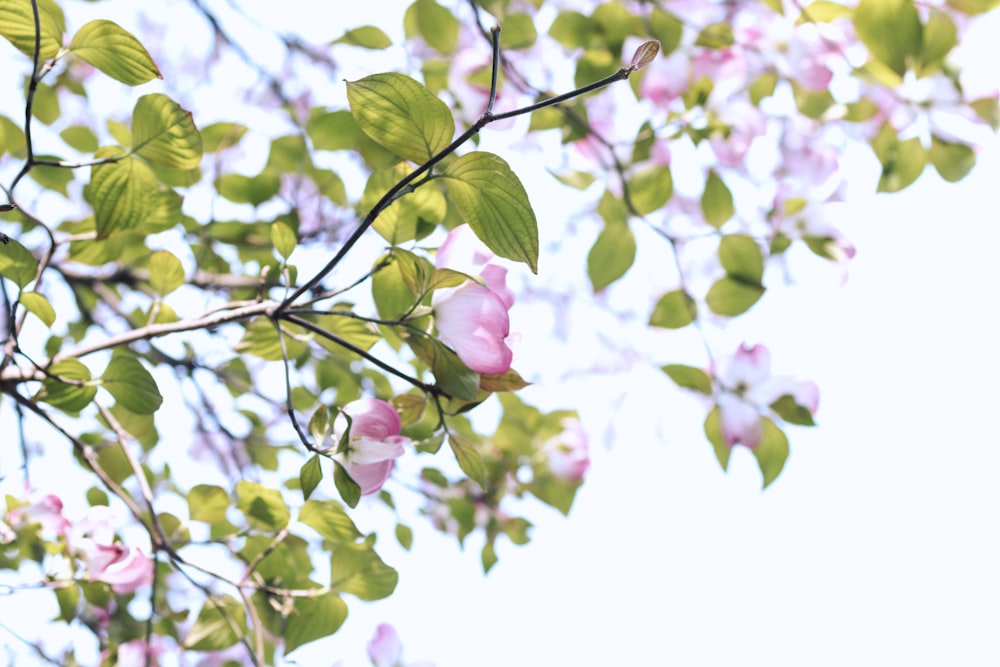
(374, 442)
(44, 510)
(748, 388)
(92, 540)
(567, 453)
(473, 319)
(385, 649)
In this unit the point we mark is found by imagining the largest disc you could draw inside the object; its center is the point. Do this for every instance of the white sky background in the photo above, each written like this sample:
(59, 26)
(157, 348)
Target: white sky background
(877, 546)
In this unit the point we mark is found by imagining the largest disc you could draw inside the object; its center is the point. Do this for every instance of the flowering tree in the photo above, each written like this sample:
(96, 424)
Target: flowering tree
(310, 330)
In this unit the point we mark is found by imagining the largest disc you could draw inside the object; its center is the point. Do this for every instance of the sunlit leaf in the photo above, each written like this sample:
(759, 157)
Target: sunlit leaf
(674, 310)
(689, 377)
(492, 200)
(18, 26)
(349, 490)
(366, 36)
(468, 458)
(729, 296)
(17, 264)
(432, 22)
(264, 508)
(740, 256)
(166, 273)
(283, 239)
(329, 519)
(207, 503)
(891, 30)
(401, 114)
(122, 192)
(164, 133)
(716, 201)
(313, 618)
(772, 452)
(68, 386)
(220, 624)
(115, 51)
(38, 305)
(132, 385)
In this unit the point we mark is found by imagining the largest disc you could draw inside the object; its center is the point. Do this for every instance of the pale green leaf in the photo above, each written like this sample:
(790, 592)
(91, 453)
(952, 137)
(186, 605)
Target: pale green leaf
(207, 503)
(18, 26)
(492, 200)
(68, 386)
(891, 30)
(434, 23)
(729, 296)
(164, 133)
(468, 458)
(221, 623)
(123, 192)
(283, 239)
(17, 264)
(349, 490)
(313, 618)
(132, 385)
(772, 451)
(401, 114)
(689, 377)
(264, 508)
(611, 255)
(166, 273)
(716, 201)
(366, 37)
(39, 306)
(328, 518)
(358, 570)
(740, 256)
(674, 310)
(115, 51)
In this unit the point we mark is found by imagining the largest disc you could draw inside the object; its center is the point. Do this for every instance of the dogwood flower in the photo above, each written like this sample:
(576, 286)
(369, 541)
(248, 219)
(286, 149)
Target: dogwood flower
(92, 540)
(42, 509)
(473, 319)
(374, 442)
(385, 649)
(567, 453)
(748, 388)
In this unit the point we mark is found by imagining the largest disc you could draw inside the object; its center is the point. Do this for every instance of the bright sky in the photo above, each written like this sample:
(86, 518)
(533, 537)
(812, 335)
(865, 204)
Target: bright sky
(877, 546)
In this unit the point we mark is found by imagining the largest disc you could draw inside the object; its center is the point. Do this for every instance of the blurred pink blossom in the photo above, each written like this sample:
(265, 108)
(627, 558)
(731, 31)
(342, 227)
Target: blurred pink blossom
(374, 442)
(567, 454)
(473, 318)
(748, 388)
(92, 540)
(42, 509)
(385, 649)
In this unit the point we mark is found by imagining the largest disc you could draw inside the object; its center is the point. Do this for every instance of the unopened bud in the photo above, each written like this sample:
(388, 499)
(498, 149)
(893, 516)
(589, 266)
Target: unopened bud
(644, 54)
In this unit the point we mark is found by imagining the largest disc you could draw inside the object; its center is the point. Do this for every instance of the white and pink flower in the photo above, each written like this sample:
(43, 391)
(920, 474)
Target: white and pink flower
(473, 319)
(567, 454)
(374, 442)
(385, 649)
(92, 540)
(748, 388)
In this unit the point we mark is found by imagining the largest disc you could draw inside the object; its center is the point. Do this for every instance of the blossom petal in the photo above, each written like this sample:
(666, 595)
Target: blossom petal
(128, 572)
(373, 418)
(473, 321)
(385, 649)
(749, 366)
(740, 422)
(364, 451)
(370, 476)
(463, 251)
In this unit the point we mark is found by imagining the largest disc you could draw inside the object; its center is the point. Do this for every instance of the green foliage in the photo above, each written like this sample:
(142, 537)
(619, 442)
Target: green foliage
(891, 30)
(18, 26)
(490, 197)
(132, 385)
(114, 51)
(611, 255)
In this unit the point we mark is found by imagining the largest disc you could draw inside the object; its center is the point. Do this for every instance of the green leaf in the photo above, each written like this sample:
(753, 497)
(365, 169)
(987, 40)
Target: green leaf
(401, 221)
(68, 598)
(115, 51)
(453, 377)
(283, 239)
(674, 310)
(509, 381)
(401, 115)
(132, 385)
(404, 535)
(611, 256)
(164, 133)
(330, 520)
(366, 36)
(123, 193)
(221, 623)
(772, 452)
(952, 160)
(468, 458)
(716, 36)
(793, 413)
(689, 377)
(741, 258)
(716, 201)
(940, 36)
(667, 28)
(261, 339)
(68, 397)
(264, 507)
(730, 297)
(488, 556)
(650, 189)
(987, 108)
(312, 619)
(348, 489)
(973, 7)
(39, 306)
(579, 180)
(222, 135)
(891, 30)
(713, 432)
(333, 130)
(166, 273)
(310, 475)
(492, 200)
(18, 26)
(17, 264)
(358, 570)
(207, 503)
(435, 24)
(254, 190)
(902, 161)
(80, 138)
